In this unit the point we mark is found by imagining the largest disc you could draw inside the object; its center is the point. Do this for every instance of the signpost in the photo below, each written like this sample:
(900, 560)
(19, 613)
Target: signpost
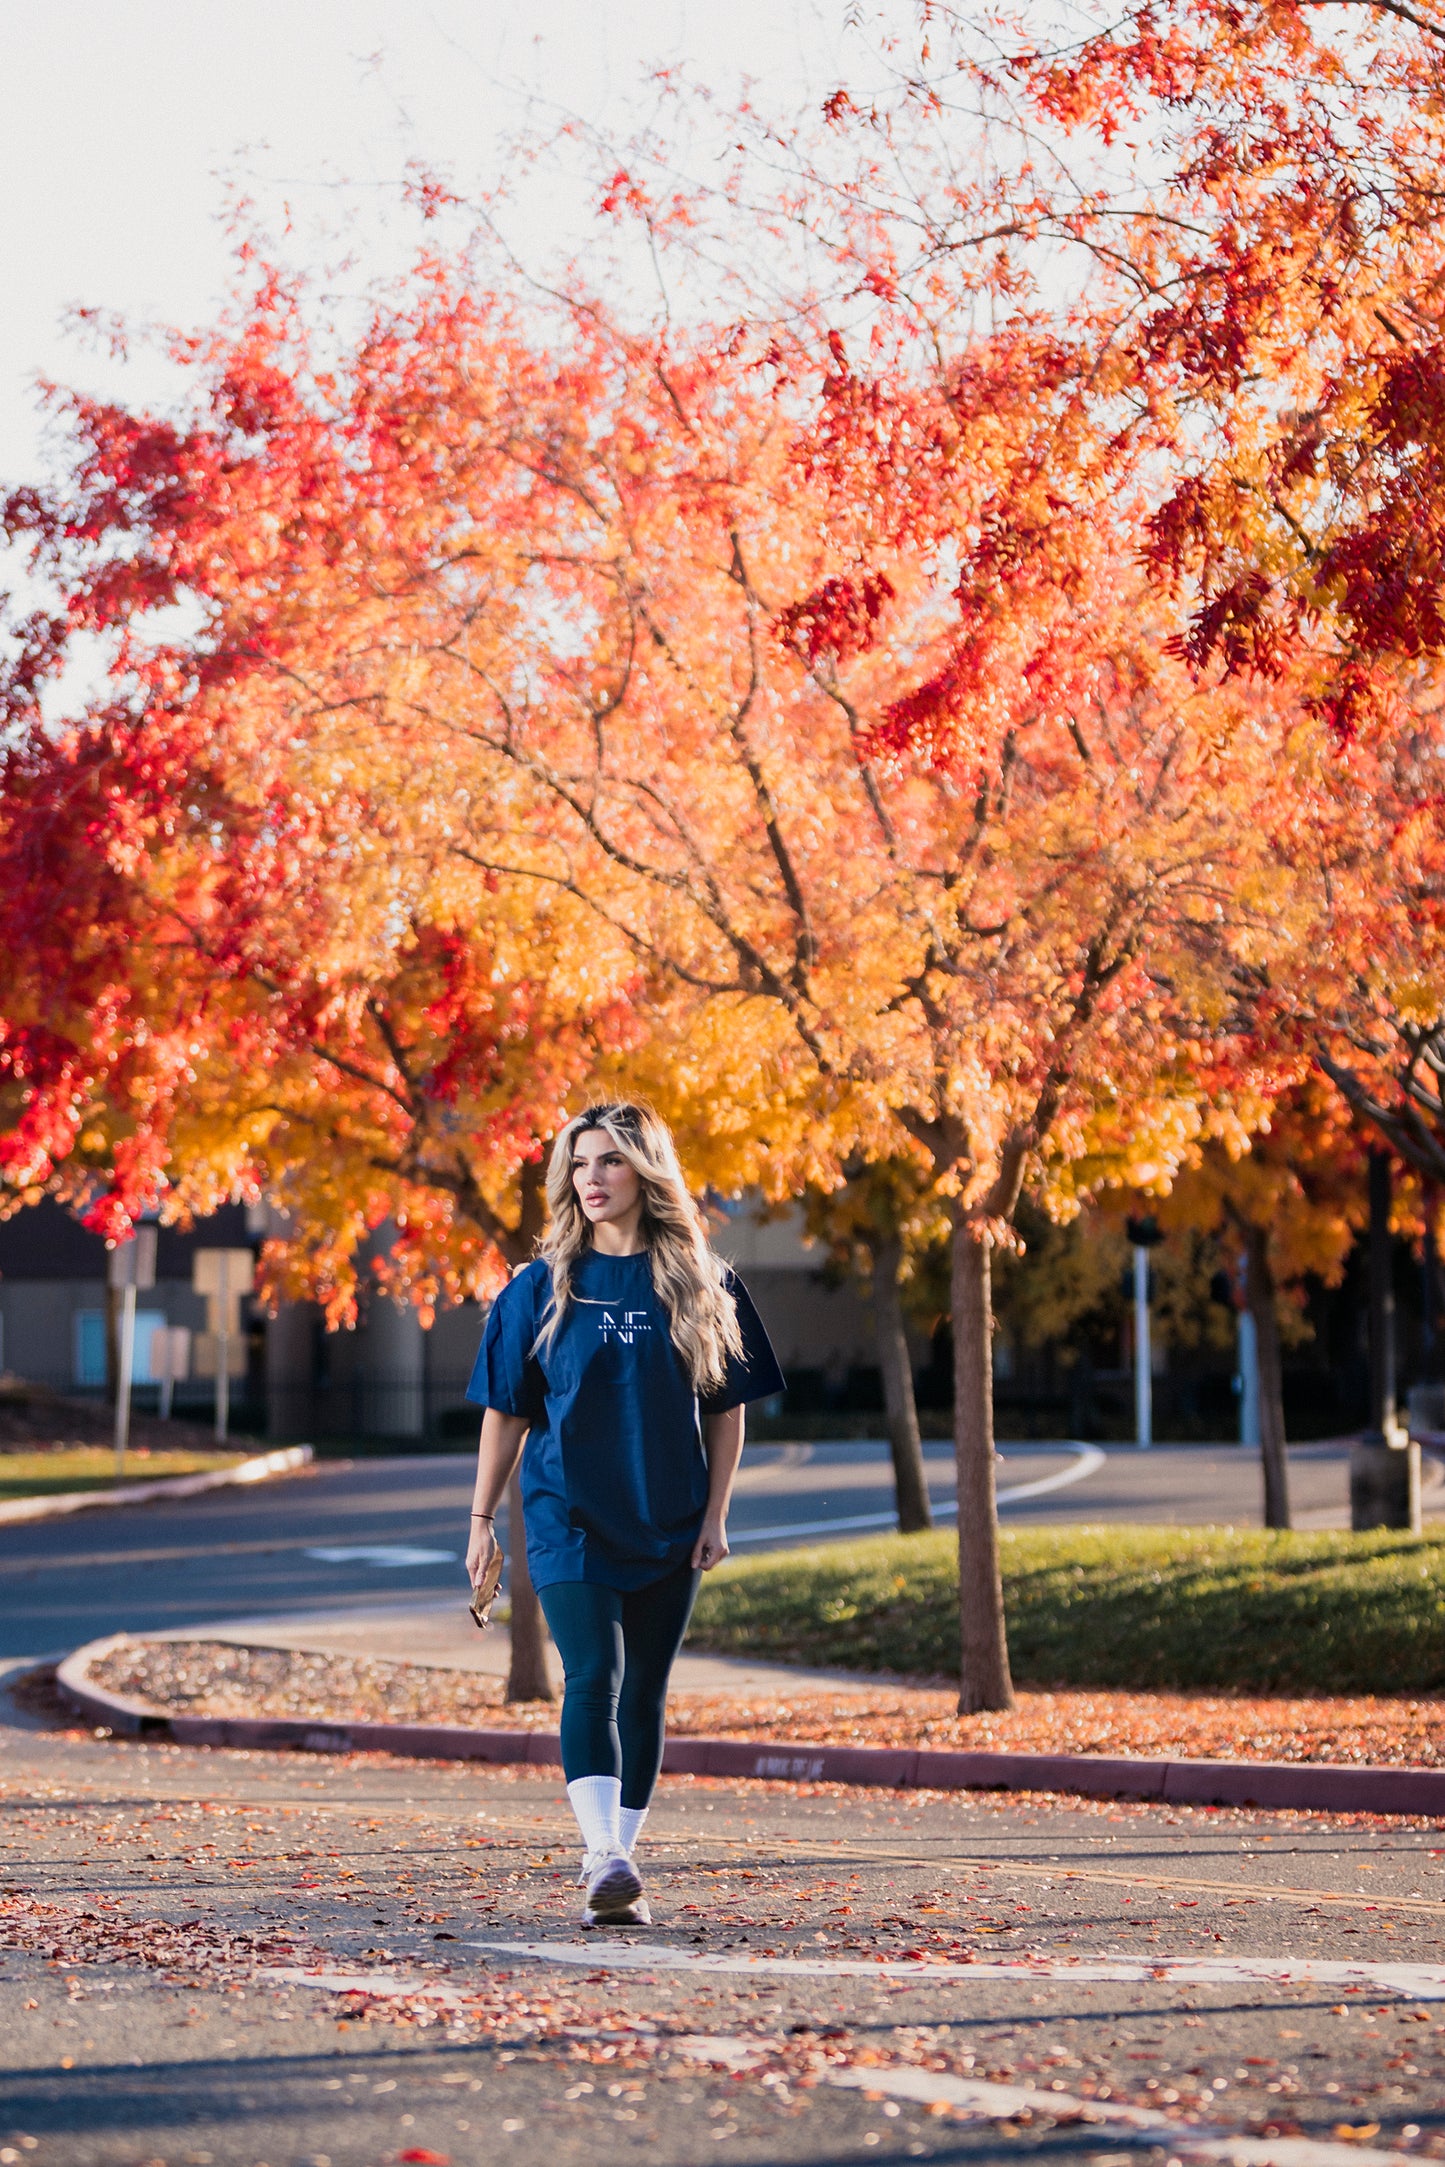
(222, 1276)
(1144, 1234)
(132, 1268)
(170, 1361)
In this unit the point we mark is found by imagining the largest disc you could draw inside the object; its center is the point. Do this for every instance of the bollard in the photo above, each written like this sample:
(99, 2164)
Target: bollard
(1385, 1481)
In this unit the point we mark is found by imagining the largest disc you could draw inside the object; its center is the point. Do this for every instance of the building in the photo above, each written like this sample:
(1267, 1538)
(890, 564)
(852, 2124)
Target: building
(56, 1309)
(389, 1380)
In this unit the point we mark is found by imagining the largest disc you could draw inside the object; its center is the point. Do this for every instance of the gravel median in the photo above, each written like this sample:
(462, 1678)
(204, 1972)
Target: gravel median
(217, 1678)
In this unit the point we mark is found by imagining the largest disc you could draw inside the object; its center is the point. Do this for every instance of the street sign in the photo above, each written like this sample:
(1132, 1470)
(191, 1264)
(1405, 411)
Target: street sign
(223, 1276)
(226, 1274)
(133, 1263)
(170, 1361)
(206, 1351)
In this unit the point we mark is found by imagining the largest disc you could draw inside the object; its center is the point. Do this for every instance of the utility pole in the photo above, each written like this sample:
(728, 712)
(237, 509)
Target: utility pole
(1144, 1235)
(132, 1268)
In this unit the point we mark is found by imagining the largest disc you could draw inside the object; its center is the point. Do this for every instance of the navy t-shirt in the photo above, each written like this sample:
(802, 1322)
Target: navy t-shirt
(614, 1476)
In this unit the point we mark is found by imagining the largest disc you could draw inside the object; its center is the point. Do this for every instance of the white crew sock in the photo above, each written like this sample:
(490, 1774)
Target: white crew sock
(596, 1800)
(629, 1826)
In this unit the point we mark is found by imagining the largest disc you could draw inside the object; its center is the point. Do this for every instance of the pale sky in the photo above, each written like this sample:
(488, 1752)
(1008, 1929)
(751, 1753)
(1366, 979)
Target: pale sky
(126, 121)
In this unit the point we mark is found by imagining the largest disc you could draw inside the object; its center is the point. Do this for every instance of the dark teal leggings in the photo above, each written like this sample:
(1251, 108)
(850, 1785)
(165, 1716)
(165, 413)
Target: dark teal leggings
(617, 1650)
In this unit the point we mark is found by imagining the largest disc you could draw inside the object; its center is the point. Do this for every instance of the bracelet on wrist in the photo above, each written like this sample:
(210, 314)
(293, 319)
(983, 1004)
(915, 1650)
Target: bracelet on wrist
(484, 1516)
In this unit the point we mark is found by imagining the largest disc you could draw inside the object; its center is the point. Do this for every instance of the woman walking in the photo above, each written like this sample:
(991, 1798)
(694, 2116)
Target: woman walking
(624, 1356)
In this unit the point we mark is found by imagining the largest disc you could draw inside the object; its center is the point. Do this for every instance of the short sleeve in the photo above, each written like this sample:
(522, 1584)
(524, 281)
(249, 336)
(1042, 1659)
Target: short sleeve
(752, 1375)
(506, 1374)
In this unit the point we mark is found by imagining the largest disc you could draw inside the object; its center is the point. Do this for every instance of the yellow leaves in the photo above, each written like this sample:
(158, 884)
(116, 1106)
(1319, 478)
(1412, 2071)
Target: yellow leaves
(1418, 1001)
(525, 792)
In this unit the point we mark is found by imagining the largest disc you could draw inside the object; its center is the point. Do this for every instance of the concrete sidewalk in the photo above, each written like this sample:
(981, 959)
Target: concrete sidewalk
(441, 1635)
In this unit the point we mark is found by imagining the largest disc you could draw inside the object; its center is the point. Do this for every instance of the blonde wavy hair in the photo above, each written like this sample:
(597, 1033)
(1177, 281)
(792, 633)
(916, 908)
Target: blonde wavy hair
(688, 1276)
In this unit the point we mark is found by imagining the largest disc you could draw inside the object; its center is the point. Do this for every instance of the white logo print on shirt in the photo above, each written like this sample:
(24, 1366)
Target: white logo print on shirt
(626, 1329)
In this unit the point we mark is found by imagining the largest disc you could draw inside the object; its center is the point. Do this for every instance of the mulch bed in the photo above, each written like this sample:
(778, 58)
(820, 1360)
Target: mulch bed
(35, 1419)
(213, 1678)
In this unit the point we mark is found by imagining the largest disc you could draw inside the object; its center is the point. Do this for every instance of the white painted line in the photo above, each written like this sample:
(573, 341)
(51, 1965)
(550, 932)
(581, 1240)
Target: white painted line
(1087, 1461)
(854, 1524)
(732, 2053)
(927, 2087)
(385, 1984)
(1090, 1460)
(1002, 2102)
(384, 1554)
(1415, 1982)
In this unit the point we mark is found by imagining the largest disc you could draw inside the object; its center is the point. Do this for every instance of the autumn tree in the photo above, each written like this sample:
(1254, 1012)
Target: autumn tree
(501, 607)
(1217, 228)
(236, 966)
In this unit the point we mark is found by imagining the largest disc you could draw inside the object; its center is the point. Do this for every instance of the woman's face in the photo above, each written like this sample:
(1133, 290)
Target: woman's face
(607, 1186)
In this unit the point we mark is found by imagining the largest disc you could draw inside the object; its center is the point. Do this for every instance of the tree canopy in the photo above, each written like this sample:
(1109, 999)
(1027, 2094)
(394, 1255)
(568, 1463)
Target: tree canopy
(972, 714)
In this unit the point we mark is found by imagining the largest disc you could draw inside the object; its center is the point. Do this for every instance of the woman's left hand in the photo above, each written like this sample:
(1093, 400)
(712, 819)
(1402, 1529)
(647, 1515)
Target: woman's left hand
(711, 1546)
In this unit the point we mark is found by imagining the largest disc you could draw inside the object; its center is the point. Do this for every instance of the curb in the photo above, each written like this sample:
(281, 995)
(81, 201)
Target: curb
(260, 1469)
(1319, 1786)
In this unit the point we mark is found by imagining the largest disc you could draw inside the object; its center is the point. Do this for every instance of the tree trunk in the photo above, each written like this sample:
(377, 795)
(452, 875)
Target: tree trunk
(1259, 1292)
(527, 1678)
(984, 1681)
(909, 1481)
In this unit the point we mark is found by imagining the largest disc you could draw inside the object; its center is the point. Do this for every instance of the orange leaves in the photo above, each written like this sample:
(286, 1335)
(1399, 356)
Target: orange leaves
(316, 990)
(1207, 239)
(567, 703)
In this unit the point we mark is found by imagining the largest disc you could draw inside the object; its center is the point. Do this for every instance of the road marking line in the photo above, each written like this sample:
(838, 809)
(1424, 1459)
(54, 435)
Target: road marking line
(927, 2087)
(364, 1982)
(383, 1554)
(1088, 1460)
(176, 1553)
(1366, 1899)
(1414, 1982)
(1003, 2102)
(842, 1855)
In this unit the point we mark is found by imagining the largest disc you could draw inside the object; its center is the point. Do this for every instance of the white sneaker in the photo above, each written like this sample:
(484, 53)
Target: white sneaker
(637, 1913)
(613, 1884)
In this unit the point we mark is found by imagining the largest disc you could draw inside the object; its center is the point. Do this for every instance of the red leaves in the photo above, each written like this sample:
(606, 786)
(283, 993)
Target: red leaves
(621, 193)
(839, 620)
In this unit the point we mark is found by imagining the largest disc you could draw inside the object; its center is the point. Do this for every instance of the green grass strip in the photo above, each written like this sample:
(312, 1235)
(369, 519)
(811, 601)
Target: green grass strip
(92, 1467)
(1123, 1607)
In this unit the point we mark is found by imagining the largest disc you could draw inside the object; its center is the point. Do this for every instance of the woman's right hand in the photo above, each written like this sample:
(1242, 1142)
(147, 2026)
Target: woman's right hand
(481, 1547)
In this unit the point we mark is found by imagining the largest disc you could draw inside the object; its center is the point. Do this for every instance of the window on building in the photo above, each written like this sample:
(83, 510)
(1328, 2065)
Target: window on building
(90, 1347)
(147, 1323)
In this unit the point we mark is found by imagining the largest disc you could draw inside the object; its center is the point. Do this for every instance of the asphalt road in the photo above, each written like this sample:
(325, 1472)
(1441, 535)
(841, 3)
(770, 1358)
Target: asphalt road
(226, 1959)
(375, 1532)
